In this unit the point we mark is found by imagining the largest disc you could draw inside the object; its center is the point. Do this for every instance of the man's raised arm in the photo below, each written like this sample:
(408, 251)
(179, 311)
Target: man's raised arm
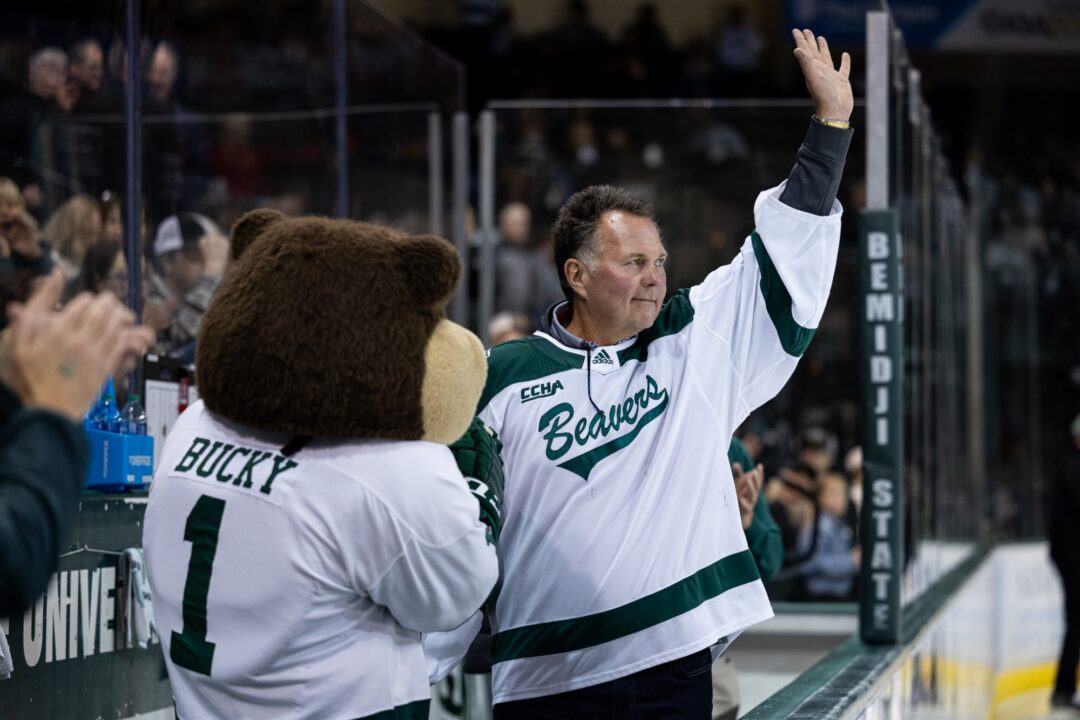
(815, 179)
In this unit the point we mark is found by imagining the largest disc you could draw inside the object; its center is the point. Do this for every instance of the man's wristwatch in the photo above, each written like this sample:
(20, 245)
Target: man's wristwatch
(838, 124)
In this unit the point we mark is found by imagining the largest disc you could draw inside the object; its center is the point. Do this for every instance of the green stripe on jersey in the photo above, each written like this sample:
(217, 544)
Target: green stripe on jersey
(523, 360)
(418, 710)
(562, 636)
(794, 338)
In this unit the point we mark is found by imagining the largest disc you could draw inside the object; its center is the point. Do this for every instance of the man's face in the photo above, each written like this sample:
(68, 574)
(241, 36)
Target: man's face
(514, 224)
(89, 68)
(47, 79)
(833, 497)
(162, 74)
(182, 269)
(625, 290)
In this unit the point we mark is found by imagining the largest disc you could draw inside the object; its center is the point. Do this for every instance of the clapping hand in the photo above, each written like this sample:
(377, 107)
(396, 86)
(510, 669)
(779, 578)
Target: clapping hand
(747, 487)
(58, 360)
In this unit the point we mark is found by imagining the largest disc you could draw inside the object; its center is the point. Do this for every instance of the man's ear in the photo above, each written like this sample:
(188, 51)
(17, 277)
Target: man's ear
(576, 274)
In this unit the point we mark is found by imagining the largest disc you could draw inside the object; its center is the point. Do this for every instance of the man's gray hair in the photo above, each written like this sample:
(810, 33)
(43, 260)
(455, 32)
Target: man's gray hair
(48, 56)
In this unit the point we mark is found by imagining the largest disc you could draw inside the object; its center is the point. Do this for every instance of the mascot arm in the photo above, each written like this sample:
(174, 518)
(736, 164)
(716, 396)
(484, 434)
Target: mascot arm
(445, 567)
(478, 456)
(444, 650)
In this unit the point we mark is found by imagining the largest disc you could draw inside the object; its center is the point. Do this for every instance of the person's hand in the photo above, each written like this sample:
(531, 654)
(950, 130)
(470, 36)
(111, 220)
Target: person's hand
(59, 360)
(829, 88)
(158, 313)
(747, 487)
(478, 456)
(215, 254)
(18, 236)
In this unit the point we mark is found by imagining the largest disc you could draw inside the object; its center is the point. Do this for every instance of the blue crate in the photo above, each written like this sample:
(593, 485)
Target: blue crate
(119, 462)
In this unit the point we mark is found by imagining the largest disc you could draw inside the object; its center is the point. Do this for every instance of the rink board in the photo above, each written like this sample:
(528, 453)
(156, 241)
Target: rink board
(69, 661)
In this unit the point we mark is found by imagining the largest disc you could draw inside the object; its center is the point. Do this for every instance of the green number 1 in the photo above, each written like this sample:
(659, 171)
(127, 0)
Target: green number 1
(189, 648)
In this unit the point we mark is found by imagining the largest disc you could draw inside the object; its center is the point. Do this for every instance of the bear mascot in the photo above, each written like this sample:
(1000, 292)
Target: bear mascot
(307, 521)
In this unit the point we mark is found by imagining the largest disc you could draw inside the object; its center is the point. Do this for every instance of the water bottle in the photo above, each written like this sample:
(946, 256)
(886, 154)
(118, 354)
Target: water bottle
(107, 417)
(133, 419)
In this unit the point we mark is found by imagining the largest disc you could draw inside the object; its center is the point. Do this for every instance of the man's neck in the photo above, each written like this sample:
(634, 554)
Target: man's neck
(586, 327)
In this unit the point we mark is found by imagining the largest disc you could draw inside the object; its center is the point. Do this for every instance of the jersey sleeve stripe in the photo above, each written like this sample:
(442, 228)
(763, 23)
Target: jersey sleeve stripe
(794, 338)
(418, 710)
(562, 636)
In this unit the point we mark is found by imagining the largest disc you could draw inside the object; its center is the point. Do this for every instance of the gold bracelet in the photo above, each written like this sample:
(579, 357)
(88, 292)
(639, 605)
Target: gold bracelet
(838, 124)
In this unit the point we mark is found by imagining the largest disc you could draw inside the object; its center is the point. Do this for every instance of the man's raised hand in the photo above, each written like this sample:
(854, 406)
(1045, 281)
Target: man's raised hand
(829, 88)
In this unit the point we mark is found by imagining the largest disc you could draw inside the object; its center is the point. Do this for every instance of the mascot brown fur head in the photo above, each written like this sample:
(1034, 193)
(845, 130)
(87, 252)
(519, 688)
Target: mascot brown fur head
(333, 328)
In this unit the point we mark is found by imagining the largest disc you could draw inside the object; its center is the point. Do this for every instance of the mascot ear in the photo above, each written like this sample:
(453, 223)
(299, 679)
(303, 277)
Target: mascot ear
(250, 226)
(432, 266)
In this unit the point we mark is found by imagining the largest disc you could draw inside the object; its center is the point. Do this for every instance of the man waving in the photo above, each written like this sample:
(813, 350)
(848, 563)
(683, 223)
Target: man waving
(625, 567)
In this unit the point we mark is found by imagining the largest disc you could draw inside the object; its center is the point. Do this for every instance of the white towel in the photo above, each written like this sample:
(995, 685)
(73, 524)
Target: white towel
(139, 603)
(5, 657)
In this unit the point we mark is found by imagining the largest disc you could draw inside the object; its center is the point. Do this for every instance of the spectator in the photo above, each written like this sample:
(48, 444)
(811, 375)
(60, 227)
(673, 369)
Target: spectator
(193, 142)
(22, 118)
(580, 52)
(646, 58)
(829, 573)
(524, 283)
(235, 159)
(23, 257)
(737, 51)
(818, 449)
(72, 229)
(105, 269)
(52, 366)
(792, 505)
(86, 71)
(191, 254)
(1065, 552)
(160, 144)
(764, 542)
(48, 73)
(507, 326)
(112, 218)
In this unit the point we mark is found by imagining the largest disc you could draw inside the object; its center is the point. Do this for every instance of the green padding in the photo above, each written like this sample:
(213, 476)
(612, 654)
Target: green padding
(794, 338)
(579, 633)
(418, 710)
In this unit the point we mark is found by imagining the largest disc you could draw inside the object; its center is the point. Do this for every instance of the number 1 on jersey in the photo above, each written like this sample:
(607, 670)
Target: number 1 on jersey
(189, 648)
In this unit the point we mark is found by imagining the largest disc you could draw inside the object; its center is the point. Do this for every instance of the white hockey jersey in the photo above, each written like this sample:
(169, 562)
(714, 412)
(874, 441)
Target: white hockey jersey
(297, 587)
(622, 546)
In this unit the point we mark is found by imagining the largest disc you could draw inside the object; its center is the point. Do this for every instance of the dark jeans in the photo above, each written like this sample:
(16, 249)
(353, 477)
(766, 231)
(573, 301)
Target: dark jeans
(1065, 685)
(677, 690)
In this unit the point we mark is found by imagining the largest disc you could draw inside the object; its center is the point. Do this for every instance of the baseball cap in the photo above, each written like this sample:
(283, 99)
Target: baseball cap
(180, 230)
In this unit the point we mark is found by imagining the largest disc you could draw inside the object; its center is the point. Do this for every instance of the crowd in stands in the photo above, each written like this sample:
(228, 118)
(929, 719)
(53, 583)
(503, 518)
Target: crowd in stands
(578, 59)
(1029, 223)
